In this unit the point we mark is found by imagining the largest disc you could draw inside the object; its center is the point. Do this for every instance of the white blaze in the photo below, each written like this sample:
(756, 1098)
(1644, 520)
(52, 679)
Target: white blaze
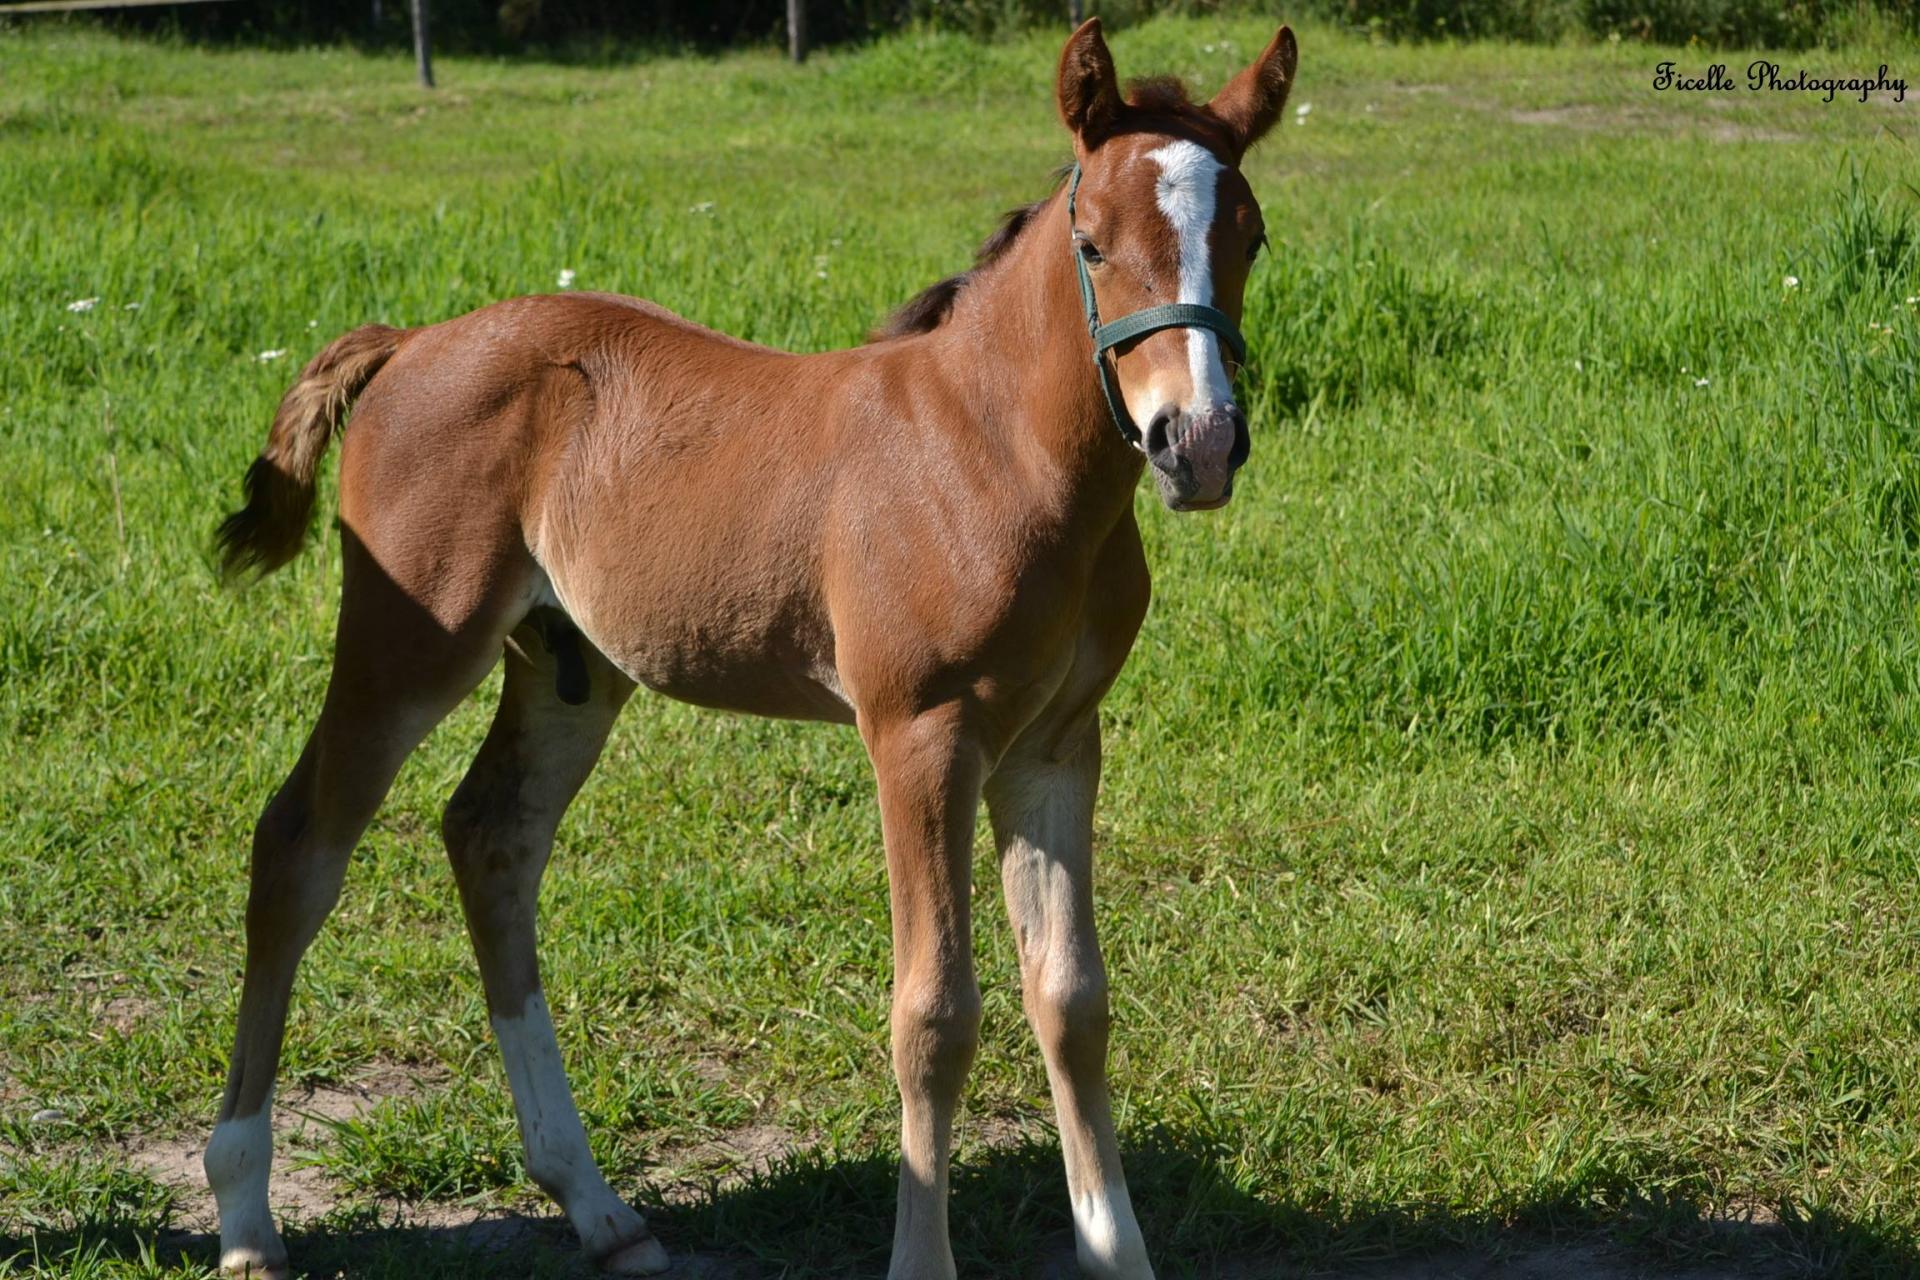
(1185, 191)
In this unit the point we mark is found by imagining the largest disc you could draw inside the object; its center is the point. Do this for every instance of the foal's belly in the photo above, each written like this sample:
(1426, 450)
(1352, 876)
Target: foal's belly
(788, 685)
(712, 642)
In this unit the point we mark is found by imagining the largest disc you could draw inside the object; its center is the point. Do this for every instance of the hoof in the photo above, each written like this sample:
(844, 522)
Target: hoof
(251, 1264)
(644, 1257)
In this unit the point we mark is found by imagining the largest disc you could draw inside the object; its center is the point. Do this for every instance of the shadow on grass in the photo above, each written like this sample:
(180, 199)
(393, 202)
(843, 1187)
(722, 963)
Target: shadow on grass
(1009, 1213)
(818, 1217)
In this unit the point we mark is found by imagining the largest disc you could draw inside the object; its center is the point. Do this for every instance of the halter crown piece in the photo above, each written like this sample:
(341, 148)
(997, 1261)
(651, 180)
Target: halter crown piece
(1137, 324)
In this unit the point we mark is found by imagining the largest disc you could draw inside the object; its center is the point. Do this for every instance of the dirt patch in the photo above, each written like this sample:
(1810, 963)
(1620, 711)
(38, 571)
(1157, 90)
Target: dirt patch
(1587, 118)
(682, 1174)
(123, 1013)
(1004, 1131)
(1750, 133)
(711, 1068)
(354, 1098)
(296, 1191)
(299, 1119)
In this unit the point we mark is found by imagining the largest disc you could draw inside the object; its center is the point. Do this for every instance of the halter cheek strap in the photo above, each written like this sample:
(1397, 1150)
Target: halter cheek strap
(1138, 324)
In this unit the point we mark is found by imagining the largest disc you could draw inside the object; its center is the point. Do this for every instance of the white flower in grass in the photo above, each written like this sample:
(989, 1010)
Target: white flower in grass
(1790, 282)
(705, 206)
(1579, 366)
(1914, 301)
(565, 280)
(1699, 382)
(1301, 112)
(273, 354)
(83, 304)
(131, 306)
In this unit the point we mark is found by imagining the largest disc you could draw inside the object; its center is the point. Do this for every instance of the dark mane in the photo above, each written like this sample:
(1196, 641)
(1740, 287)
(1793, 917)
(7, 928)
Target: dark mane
(925, 311)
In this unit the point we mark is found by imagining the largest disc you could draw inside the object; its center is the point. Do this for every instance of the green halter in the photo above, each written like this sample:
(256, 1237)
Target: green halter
(1172, 315)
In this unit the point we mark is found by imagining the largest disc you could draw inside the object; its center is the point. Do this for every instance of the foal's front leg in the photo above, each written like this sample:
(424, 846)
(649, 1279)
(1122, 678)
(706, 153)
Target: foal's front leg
(1041, 800)
(929, 775)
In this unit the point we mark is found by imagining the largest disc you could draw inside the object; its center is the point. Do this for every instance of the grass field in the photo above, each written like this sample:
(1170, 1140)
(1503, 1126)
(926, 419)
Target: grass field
(1510, 825)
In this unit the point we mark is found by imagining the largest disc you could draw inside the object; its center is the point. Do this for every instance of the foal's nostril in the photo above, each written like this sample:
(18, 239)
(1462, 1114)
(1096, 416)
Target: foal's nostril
(1159, 437)
(1158, 440)
(1242, 441)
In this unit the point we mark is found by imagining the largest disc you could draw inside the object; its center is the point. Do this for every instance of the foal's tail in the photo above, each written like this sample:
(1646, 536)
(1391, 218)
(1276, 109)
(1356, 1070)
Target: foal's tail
(267, 532)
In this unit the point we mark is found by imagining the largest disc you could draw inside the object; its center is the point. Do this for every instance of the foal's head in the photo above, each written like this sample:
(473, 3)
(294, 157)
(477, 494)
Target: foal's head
(1162, 215)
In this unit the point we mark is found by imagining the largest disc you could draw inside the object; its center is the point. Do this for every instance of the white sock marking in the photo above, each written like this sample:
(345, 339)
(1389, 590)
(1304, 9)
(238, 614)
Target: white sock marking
(556, 1144)
(238, 1159)
(1106, 1234)
(1186, 192)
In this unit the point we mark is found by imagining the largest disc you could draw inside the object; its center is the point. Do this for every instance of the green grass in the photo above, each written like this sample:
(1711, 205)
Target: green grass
(1510, 814)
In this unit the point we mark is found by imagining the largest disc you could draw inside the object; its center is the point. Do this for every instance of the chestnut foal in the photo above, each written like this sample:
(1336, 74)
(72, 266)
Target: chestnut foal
(930, 537)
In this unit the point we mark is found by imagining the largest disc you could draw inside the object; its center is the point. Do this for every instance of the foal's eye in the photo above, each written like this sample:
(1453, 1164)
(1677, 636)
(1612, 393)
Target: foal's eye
(1088, 254)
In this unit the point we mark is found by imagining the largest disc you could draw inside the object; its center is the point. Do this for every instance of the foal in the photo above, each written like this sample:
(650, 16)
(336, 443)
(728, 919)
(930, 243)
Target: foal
(930, 537)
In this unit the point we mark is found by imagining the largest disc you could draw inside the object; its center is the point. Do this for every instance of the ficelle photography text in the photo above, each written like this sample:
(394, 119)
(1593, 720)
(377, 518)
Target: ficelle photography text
(1764, 75)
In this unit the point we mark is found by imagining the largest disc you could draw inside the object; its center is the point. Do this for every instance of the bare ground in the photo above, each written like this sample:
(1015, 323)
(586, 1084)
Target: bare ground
(1590, 118)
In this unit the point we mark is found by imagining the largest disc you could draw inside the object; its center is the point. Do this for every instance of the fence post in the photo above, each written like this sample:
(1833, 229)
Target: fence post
(1076, 12)
(422, 44)
(797, 30)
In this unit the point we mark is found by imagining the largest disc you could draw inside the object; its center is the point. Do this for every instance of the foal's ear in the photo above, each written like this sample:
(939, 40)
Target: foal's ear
(1252, 100)
(1089, 91)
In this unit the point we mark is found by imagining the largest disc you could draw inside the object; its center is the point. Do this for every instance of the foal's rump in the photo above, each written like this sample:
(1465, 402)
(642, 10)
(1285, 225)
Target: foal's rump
(473, 409)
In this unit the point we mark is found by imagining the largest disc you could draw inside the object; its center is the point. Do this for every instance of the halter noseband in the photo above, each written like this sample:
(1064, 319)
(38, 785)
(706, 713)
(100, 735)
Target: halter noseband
(1172, 315)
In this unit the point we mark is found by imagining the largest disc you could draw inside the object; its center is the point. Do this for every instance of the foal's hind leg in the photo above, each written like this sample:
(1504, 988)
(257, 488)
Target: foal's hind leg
(396, 673)
(499, 830)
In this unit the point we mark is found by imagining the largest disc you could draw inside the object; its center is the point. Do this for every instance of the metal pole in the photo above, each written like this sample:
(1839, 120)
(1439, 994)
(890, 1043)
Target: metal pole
(797, 30)
(422, 44)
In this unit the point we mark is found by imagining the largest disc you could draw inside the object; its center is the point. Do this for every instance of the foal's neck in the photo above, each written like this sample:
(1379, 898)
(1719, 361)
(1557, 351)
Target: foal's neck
(1019, 340)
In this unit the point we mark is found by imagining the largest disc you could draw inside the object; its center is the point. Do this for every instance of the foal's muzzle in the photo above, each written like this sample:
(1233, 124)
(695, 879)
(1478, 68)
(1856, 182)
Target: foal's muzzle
(1194, 455)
